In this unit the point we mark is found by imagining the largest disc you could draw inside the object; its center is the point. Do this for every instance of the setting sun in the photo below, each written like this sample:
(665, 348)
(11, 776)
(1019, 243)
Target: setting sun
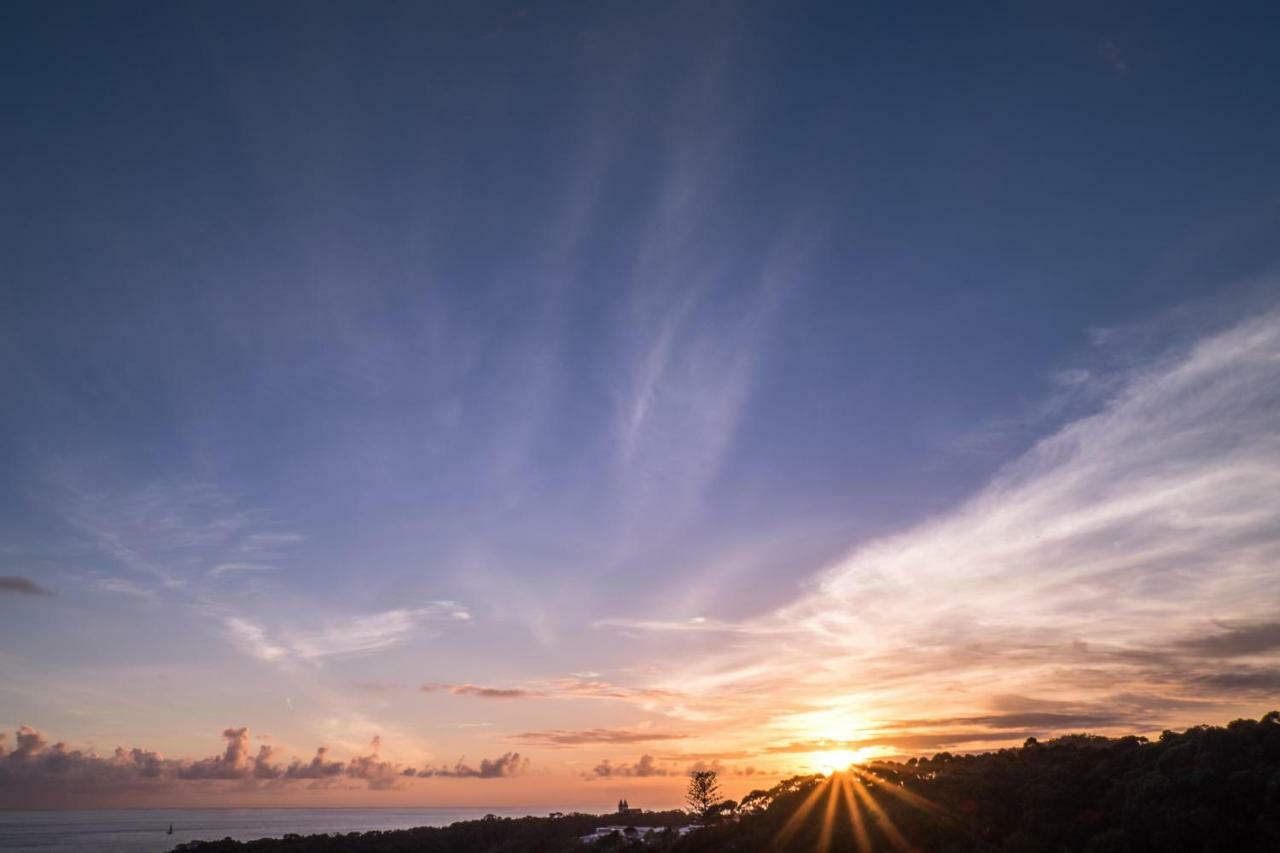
(834, 760)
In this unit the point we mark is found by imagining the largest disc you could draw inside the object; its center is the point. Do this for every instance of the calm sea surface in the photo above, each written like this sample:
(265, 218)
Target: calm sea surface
(144, 830)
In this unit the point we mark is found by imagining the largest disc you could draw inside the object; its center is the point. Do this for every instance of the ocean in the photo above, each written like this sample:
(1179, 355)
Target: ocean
(145, 830)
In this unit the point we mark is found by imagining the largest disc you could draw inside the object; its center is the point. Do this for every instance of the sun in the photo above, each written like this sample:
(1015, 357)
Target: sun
(835, 760)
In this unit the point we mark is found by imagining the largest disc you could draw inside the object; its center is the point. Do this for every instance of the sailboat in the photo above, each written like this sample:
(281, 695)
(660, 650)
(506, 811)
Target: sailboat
(170, 832)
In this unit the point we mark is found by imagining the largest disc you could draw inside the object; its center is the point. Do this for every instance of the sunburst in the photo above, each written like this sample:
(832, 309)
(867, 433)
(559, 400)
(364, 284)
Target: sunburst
(853, 791)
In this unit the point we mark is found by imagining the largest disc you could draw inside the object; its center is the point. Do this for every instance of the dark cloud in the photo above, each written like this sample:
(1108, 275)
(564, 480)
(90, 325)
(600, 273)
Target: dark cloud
(1026, 719)
(908, 741)
(562, 737)
(1234, 642)
(21, 586)
(482, 692)
(1244, 680)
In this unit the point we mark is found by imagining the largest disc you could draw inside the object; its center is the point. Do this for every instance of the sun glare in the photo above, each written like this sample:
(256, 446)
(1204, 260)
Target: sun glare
(834, 760)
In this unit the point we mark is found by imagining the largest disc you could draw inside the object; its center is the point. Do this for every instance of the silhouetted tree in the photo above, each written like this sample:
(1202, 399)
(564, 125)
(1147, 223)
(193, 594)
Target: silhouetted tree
(703, 793)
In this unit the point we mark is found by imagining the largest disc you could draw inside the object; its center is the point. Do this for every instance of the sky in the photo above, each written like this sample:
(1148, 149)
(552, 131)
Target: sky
(523, 404)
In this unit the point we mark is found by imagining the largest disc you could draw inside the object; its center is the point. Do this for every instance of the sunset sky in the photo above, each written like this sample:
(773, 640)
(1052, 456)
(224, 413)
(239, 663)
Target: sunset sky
(526, 403)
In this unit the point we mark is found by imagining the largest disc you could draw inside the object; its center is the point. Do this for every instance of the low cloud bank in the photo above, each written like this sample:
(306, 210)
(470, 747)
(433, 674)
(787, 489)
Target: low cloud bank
(34, 765)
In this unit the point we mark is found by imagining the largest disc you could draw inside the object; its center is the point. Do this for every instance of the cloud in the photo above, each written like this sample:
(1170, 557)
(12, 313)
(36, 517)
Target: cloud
(556, 688)
(482, 692)
(21, 586)
(562, 737)
(238, 568)
(339, 638)
(506, 765)
(234, 763)
(1072, 572)
(252, 639)
(319, 767)
(1031, 719)
(124, 586)
(645, 766)
(371, 633)
(167, 531)
(38, 773)
(1261, 681)
(380, 775)
(1235, 642)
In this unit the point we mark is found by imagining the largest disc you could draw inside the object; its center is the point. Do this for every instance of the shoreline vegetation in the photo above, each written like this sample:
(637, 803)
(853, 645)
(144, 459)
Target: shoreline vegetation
(1209, 788)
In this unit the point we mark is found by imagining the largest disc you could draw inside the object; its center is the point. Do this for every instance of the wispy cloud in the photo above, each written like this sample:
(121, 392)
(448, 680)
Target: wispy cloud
(562, 737)
(166, 536)
(235, 568)
(556, 688)
(482, 692)
(1072, 571)
(125, 586)
(344, 637)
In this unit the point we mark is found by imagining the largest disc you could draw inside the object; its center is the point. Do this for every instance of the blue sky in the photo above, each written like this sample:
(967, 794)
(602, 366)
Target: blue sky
(619, 360)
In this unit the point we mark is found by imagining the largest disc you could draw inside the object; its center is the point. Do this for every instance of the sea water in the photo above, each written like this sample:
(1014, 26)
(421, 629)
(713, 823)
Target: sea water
(146, 830)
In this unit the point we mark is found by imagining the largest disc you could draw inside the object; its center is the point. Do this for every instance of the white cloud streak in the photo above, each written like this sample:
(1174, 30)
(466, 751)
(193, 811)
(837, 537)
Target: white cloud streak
(338, 638)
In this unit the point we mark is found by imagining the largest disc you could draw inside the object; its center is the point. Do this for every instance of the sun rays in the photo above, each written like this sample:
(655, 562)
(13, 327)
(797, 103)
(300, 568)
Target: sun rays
(851, 813)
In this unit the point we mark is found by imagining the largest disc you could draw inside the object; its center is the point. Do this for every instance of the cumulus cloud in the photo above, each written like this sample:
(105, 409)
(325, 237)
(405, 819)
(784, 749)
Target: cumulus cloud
(645, 766)
(38, 773)
(21, 586)
(505, 765)
(234, 763)
(380, 775)
(319, 767)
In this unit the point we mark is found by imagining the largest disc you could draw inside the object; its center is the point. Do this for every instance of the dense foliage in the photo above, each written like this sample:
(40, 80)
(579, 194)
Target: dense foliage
(1206, 789)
